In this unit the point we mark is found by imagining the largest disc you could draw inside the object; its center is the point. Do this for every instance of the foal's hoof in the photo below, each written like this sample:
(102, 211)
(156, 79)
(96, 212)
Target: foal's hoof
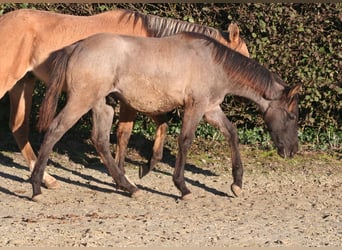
(51, 184)
(37, 198)
(187, 197)
(236, 190)
(137, 194)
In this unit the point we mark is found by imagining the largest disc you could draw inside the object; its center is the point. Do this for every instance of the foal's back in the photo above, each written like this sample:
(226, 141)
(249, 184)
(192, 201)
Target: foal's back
(153, 75)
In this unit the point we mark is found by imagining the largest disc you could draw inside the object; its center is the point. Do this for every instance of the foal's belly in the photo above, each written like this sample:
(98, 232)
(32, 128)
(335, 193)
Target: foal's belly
(149, 96)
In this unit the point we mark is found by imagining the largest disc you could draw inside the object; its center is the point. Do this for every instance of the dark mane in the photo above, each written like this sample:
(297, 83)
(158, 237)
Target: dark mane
(160, 26)
(243, 69)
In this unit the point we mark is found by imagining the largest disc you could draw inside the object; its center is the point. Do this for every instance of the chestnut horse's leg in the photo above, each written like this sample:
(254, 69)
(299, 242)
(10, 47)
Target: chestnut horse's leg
(102, 122)
(20, 107)
(217, 118)
(123, 133)
(161, 123)
(191, 119)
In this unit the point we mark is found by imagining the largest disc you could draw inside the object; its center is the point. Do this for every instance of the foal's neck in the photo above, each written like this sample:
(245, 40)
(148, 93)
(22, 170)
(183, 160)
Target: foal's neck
(259, 98)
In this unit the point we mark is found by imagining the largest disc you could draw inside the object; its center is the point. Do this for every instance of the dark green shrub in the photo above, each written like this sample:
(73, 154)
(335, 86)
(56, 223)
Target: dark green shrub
(301, 42)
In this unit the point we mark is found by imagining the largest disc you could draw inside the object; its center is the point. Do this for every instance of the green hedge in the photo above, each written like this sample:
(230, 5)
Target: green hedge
(301, 42)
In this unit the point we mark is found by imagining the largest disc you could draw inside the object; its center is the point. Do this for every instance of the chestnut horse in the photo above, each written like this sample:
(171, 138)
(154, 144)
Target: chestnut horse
(154, 76)
(27, 37)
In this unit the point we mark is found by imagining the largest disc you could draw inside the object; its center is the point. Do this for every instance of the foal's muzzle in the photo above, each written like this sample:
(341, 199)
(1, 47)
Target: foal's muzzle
(287, 153)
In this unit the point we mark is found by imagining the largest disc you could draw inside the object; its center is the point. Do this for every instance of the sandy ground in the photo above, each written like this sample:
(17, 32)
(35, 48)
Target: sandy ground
(296, 202)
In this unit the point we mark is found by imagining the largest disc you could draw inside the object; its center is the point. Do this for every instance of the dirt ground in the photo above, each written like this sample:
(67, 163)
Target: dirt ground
(295, 202)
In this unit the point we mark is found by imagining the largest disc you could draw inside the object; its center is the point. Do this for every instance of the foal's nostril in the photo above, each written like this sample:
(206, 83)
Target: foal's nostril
(293, 151)
(281, 152)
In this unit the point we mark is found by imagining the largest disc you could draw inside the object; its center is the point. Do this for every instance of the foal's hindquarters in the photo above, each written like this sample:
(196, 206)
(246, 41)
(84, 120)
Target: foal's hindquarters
(78, 104)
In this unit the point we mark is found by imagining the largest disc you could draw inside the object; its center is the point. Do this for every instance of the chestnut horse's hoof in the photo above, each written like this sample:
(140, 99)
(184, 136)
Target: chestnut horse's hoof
(51, 184)
(187, 197)
(37, 198)
(236, 190)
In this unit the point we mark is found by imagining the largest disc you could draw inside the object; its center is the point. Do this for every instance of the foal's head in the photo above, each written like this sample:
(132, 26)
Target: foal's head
(281, 118)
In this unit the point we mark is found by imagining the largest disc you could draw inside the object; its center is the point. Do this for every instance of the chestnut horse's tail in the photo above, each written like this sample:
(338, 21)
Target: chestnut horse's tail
(59, 62)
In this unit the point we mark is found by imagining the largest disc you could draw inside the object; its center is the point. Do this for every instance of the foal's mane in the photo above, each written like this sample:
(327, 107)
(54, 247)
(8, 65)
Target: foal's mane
(243, 69)
(161, 26)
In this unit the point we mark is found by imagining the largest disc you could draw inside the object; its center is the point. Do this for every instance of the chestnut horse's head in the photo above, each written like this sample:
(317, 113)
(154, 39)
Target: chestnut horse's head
(160, 27)
(235, 42)
(281, 118)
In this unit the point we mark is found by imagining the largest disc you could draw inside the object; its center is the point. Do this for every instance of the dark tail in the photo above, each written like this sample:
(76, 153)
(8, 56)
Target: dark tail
(49, 105)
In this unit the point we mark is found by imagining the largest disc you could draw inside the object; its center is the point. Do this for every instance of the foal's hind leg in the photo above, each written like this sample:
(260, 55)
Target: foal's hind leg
(217, 118)
(102, 122)
(102, 115)
(63, 122)
(60, 124)
(157, 155)
(21, 100)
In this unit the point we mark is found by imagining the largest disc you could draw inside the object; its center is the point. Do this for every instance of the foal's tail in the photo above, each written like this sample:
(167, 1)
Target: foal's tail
(59, 62)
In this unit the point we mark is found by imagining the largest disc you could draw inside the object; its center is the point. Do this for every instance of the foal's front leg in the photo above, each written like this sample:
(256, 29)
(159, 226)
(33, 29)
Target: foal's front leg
(217, 118)
(191, 118)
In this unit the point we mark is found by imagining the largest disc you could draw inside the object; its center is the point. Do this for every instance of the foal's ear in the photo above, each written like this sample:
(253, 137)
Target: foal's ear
(234, 32)
(292, 97)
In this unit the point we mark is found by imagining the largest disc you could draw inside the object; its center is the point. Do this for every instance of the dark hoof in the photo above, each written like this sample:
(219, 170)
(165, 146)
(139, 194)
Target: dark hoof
(143, 171)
